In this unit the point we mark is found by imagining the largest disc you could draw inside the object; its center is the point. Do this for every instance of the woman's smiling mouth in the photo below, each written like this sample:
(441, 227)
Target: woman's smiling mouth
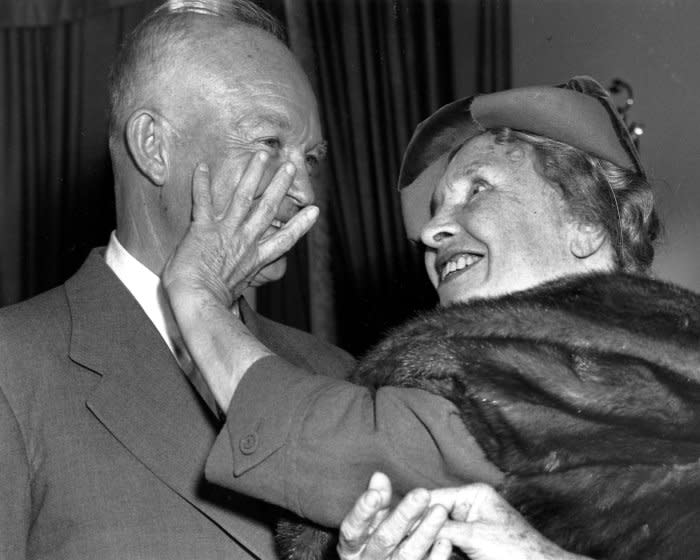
(455, 264)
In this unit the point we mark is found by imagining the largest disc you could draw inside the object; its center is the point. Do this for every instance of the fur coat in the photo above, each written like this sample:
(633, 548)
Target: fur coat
(586, 392)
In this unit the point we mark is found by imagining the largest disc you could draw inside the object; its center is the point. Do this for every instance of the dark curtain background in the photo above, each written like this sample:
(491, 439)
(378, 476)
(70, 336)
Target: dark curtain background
(378, 66)
(56, 200)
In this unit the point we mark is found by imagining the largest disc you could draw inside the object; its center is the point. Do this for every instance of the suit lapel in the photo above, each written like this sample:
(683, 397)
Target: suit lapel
(274, 336)
(145, 400)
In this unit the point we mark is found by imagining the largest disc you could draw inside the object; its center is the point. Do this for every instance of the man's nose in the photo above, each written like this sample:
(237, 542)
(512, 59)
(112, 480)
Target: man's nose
(440, 229)
(302, 189)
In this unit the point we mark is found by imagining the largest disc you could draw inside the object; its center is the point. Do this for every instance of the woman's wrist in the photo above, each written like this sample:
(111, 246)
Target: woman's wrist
(212, 333)
(183, 292)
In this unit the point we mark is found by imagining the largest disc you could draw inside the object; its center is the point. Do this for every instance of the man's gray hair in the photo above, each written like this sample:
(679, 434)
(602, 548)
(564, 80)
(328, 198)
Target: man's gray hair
(168, 25)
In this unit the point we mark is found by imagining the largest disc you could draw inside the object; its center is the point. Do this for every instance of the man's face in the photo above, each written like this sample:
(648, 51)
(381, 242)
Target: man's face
(497, 225)
(252, 97)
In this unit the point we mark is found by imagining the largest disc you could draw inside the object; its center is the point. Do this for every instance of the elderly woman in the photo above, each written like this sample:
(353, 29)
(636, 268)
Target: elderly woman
(577, 375)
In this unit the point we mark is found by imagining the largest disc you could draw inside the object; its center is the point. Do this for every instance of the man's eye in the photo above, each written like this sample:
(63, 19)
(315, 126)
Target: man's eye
(273, 143)
(312, 162)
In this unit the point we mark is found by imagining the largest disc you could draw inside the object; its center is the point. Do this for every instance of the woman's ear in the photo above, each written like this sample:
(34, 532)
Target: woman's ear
(587, 239)
(147, 143)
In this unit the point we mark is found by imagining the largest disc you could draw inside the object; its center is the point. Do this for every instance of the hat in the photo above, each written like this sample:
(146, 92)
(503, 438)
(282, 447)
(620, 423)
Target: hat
(579, 113)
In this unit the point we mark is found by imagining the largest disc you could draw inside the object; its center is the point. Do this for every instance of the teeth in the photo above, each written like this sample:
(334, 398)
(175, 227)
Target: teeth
(462, 261)
(276, 223)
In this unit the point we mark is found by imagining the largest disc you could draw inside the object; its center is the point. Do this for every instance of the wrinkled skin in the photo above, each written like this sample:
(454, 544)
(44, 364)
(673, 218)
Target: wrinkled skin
(492, 207)
(232, 92)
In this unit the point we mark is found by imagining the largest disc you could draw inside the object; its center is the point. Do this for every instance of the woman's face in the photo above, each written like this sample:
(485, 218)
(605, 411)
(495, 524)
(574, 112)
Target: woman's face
(496, 226)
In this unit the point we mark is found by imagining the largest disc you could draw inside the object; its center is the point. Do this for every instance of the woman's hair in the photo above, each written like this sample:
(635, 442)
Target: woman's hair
(598, 192)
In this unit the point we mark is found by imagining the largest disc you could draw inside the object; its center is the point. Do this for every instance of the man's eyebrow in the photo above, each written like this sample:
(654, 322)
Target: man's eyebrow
(321, 149)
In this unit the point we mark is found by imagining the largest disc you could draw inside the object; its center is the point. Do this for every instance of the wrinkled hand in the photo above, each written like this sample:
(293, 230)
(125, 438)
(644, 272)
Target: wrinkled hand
(371, 531)
(486, 527)
(222, 252)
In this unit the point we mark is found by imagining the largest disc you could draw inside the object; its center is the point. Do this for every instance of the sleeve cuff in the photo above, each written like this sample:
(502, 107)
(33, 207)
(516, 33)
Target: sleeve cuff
(261, 411)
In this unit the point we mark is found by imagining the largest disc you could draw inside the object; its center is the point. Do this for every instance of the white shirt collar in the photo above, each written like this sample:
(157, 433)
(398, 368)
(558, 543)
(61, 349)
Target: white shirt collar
(146, 288)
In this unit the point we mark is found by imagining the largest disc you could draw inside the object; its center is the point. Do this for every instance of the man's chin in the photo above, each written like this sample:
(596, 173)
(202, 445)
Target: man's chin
(271, 273)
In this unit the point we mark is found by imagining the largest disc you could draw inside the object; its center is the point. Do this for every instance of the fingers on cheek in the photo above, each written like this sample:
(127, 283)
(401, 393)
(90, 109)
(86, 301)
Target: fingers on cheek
(282, 180)
(311, 214)
(267, 175)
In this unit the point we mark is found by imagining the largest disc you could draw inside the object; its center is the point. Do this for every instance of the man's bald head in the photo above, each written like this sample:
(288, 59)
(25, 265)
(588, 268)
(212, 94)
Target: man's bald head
(169, 38)
(211, 86)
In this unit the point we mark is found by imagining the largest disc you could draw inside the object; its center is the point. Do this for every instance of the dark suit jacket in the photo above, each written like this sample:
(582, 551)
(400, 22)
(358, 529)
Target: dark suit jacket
(103, 441)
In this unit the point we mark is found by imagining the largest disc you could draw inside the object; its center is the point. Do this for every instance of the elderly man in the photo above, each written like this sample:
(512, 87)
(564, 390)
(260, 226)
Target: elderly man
(105, 425)
(103, 438)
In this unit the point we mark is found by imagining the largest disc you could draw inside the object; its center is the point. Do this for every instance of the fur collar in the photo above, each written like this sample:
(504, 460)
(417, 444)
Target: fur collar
(586, 391)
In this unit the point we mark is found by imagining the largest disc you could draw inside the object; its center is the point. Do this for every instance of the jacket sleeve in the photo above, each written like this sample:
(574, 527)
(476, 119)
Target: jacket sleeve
(310, 443)
(14, 486)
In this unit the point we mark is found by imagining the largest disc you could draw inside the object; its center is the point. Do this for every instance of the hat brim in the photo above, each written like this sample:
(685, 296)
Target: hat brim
(589, 123)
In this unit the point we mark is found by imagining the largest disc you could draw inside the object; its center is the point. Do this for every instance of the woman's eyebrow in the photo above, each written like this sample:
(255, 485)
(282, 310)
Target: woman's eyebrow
(470, 169)
(454, 151)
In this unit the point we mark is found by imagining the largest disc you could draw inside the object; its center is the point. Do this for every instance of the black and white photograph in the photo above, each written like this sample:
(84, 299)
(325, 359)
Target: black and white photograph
(349, 280)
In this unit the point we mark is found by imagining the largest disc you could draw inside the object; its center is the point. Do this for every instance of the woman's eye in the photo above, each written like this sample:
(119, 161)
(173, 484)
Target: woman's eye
(478, 187)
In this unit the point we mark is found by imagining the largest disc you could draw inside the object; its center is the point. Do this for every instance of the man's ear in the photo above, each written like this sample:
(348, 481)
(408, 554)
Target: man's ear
(147, 144)
(586, 239)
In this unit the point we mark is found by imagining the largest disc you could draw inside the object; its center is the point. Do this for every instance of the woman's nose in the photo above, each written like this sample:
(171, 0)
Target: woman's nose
(440, 229)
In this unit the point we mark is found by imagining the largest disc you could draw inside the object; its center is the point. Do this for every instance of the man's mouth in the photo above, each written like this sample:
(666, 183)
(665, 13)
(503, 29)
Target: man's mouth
(457, 263)
(277, 223)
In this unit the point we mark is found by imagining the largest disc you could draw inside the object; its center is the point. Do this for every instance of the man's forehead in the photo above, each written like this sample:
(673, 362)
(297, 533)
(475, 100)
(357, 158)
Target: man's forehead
(284, 116)
(252, 66)
(269, 91)
(257, 118)
(247, 56)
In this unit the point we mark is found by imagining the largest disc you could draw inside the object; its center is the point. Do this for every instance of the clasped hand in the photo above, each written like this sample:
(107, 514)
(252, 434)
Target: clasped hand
(229, 242)
(473, 518)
